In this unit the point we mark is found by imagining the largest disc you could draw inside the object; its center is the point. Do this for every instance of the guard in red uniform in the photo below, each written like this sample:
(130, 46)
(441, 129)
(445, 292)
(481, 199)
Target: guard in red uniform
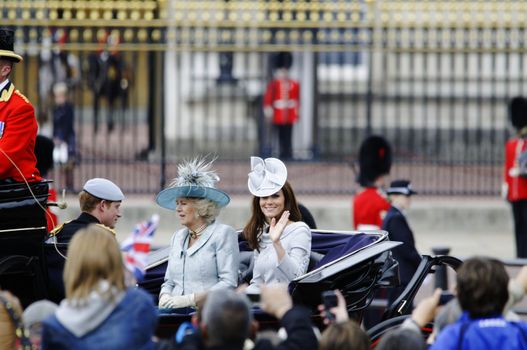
(370, 203)
(18, 126)
(515, 177)
(282, 102)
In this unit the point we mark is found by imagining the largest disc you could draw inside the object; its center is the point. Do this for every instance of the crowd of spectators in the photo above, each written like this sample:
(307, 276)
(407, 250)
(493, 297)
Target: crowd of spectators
(101, 310)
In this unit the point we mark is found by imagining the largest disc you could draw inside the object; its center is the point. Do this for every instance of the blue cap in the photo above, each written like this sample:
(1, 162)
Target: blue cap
(401, 187)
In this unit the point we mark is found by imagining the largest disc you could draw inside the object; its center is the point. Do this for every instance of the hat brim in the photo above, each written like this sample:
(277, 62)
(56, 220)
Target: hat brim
(167, 197)
(10, 54)
(406, 193)
(266, 192)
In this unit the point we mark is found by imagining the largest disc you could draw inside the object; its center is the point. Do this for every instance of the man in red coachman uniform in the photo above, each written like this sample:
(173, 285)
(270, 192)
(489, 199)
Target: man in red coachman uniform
(515, 183)
(370, 203)
(282, 102)
(18, 125)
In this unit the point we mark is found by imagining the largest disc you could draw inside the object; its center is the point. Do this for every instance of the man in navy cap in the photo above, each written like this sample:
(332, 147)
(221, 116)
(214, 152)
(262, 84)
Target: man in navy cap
(100, 202)
(395, 223)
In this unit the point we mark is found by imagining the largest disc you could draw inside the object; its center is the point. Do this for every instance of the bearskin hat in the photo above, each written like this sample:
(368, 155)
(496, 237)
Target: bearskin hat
(375, 159)
(518, 112)
(44, 154)
(283, 60)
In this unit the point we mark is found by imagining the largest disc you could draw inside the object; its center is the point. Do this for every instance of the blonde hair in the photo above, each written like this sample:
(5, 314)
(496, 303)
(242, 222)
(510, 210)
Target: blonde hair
(93, 255)
(7, 325)
(60, 88)
(344, 336)
(206, 209)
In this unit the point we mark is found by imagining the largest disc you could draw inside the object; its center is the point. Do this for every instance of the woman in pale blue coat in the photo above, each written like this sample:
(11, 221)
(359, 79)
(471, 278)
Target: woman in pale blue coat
(280, 240)
(204, 254)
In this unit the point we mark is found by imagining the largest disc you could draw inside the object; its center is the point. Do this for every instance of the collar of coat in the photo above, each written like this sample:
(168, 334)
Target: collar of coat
(6, 92)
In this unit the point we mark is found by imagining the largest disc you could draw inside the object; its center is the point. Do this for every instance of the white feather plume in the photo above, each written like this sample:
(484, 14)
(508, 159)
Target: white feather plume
(196, 172)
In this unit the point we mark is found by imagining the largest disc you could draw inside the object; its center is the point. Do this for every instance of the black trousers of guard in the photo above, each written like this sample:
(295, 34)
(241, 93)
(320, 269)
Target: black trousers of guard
(519, 213)
(285, 132)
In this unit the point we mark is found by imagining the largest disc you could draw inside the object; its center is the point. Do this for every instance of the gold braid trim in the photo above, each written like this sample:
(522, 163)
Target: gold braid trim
(58, 228)
(112, 231)
(6, 93)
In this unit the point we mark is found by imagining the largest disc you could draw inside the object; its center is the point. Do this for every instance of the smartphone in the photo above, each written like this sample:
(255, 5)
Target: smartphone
(445, 297)
(329, 299)
(254, 297)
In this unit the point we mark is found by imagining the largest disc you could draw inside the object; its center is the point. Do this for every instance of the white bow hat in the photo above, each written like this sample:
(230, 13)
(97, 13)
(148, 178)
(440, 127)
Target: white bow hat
(195, 180)
(267, 176)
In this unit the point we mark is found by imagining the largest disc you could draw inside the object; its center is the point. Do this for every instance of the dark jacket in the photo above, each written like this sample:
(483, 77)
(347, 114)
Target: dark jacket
(406, 254)
(66, 232)
(63, 126)
(300, 335)
(55, 262)
(297, 323)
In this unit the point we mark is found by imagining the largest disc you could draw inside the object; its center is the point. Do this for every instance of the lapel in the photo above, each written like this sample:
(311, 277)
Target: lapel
(6, 92)
(205, 236)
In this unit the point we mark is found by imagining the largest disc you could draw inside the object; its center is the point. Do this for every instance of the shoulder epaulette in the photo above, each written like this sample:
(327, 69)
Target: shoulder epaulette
(112, 231)
(58, 228)
(5, 94)
(22, 96)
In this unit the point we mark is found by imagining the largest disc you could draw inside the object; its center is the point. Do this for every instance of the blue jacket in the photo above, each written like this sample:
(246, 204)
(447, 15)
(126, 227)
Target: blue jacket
(482, 334)
(131, 325)
(211, 263)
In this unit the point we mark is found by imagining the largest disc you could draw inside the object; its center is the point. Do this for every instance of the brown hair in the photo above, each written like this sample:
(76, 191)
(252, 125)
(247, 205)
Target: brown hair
(482, 286)
(87, 201)
(93, 255)
(253, 228)
(344, 336)
(8, 334)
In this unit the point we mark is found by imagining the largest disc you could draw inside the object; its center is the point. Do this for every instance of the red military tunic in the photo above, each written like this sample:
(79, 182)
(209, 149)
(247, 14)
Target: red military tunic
(516, 185)
(18, 132)
(284, 97)
(369, 207)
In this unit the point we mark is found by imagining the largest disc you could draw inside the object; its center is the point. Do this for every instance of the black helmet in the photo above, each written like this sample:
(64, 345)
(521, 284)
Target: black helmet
(375, 159)
(518, 112)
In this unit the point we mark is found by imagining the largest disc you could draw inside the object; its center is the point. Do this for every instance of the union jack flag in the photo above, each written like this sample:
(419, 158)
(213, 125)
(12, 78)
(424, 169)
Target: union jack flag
(137, 246)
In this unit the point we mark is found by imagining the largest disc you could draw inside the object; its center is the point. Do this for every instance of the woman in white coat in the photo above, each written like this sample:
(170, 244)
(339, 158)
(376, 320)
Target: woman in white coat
(280, 240)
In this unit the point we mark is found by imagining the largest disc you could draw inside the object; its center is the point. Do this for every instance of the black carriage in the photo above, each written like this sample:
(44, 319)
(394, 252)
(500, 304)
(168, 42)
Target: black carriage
(356, 263)
(23, 227)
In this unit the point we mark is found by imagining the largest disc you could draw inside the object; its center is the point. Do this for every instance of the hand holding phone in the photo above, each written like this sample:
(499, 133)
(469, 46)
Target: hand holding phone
(445, 297)
(329, 299)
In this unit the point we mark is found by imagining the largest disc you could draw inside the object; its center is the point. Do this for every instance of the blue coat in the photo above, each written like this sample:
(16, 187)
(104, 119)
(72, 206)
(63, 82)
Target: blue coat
(406, 254)
(131, 325)
(482, 334)
(211, 263)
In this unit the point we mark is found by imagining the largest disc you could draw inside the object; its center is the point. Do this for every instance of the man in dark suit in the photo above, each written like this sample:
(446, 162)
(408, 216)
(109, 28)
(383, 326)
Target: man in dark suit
(396, 225)
(100, 202)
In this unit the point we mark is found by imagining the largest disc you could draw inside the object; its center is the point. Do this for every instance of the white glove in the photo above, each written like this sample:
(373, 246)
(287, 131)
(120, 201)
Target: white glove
(177, 301)
(504, 190)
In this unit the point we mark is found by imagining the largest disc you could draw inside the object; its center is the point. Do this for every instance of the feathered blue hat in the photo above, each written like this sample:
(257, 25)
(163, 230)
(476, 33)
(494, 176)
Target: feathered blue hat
(195, 180)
